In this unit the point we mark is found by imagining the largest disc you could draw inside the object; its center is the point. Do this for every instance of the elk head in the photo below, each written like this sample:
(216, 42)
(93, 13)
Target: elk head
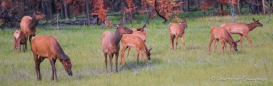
(39, 15)
(234, 45)
(184, 23)
(257, 23)
(148, 53)
(124, 30)
(67, 66)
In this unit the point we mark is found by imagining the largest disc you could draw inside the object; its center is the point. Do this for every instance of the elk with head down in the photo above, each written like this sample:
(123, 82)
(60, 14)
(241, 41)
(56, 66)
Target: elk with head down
(219, 33)
(242, 29)
(130, 40)
(110, 44)
(28, 24)
(177, 30)
(48, 47)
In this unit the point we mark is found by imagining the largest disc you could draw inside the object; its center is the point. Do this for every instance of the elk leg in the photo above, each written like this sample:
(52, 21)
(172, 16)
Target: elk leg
(111, 63)
(215, 45)
(176, 39)
(117, 62)
(210, 41)
(128, 51)
(141, 55)
(230, 48)
(26, 42)
(105, 62)
(183, 42)
(137, 57)
(122, 59)
(223, 46)
(25, 46)
(37, 66)
(14, 44)
(52, 62)
(40, 60)
(241, 40)
(249, 40)
(171, 40)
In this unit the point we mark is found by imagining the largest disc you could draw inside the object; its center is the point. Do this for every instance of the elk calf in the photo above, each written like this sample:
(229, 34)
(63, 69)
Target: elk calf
(48, 47)
(242, 29)
(130, 40)
(177, 30)
(110, 44)
(19, 39)
(219, 33)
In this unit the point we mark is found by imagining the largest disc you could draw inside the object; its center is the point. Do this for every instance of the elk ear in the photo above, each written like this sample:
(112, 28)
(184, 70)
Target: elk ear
(144, 26)
(253, 19)
(116, 25)
(237, 41)
(150, 49)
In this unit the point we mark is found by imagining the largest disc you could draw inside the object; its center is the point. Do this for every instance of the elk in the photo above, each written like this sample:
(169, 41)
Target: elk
(220, 33)
(242, 29)
(28, 24)
(130, 40)
(177, 30)
(48, 47)
(19, 39)
(110, 44)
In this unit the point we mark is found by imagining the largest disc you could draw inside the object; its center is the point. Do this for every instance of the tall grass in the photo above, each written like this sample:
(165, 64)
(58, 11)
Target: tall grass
(167, 67)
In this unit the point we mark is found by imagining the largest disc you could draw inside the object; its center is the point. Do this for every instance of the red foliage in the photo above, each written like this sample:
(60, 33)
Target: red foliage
(222, 12)
(166, 8)
(100, 11)
(226, 2)
(205, 4)
(130, 9)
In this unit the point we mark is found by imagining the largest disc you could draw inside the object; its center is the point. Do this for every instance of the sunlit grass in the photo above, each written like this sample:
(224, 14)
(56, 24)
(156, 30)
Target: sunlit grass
(167, 67)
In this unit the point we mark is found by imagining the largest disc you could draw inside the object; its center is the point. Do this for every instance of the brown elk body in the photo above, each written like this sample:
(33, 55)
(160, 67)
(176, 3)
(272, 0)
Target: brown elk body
(130, 40)
(110, 44)
(219, 33)
(19, 39)
(242, 29)
(141, 33)
(48, 47)
(177, 30)
(28, 24)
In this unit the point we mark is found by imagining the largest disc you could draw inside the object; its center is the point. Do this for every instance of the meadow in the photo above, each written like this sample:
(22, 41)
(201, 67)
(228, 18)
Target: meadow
(193, 67)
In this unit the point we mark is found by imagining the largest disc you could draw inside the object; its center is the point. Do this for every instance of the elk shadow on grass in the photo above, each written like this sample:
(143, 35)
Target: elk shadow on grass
(131, 65)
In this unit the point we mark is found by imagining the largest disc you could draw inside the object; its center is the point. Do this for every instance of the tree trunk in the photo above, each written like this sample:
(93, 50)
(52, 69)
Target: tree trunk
(62, 9)
(65, 9)
(238, 6)
(263, 6)
(87, 12)
(123, 16)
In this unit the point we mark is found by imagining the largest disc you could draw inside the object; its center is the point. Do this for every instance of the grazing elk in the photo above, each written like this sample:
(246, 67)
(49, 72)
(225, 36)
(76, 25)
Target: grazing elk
(48, 47)
(19, 39)
(110, 44)
(130, 40)
(177, 30)
(28, 24)
(219, 33)
(242, 29)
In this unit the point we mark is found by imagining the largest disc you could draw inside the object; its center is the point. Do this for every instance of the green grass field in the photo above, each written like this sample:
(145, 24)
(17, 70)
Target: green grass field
(193, 67)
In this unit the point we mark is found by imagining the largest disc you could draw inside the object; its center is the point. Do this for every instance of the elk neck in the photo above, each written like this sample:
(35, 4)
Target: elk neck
(117, 37)
(33, 22)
